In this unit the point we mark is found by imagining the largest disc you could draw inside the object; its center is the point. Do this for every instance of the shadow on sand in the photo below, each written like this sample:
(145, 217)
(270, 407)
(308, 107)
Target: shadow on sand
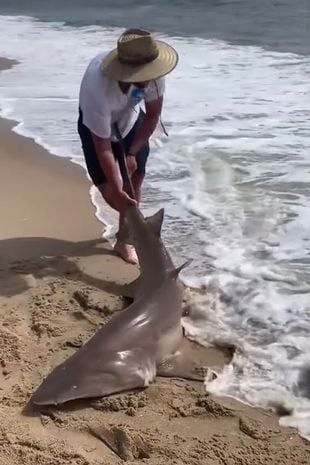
(48, 257)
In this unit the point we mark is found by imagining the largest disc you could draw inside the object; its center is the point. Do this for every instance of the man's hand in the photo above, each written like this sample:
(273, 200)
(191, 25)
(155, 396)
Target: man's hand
(131, 164)
(122, 200)
(114, 194)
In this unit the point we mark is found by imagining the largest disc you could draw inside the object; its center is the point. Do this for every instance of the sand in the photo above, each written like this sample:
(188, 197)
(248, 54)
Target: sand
(59, 281)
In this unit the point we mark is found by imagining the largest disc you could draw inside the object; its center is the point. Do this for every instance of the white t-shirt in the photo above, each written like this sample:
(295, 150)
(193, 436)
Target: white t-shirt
(103, 103)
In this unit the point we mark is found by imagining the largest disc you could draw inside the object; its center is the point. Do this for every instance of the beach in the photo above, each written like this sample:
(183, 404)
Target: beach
(233, 173)
(59, 281)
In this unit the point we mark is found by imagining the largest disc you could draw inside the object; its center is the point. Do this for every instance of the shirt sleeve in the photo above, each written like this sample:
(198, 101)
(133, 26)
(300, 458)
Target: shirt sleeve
(155, 90)
(94, 101)
(97, 120)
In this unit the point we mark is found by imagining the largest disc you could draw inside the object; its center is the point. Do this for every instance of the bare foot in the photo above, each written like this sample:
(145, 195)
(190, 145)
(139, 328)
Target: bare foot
(126, 252)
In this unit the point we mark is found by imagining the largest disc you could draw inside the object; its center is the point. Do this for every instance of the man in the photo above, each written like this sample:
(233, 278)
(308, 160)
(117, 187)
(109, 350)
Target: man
(112, 90)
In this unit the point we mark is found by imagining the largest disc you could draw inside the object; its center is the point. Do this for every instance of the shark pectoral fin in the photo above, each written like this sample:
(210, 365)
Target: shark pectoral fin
(123, 443)
(116, 439)
(91, 376)
(181, 366)
(174, 272)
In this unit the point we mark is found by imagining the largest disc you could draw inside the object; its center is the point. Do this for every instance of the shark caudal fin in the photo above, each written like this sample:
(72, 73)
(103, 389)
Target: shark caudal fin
(156, 221)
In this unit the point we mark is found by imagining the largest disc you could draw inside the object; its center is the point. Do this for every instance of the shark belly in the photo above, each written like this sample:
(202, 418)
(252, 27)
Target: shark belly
(169, 342)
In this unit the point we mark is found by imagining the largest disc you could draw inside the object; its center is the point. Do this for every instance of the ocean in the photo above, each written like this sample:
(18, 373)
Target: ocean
(233, 174)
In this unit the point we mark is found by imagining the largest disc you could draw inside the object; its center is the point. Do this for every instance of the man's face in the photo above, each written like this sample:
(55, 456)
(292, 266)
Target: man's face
(141, 85)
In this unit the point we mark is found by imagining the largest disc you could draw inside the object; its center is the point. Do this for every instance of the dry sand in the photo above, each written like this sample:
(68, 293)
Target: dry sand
(58, 283)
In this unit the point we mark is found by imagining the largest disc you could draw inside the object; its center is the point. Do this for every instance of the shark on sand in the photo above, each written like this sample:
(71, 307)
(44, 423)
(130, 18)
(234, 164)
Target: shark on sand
(137, 344)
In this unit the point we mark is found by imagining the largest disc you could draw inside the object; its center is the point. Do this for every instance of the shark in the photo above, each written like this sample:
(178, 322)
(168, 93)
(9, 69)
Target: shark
(137, 344)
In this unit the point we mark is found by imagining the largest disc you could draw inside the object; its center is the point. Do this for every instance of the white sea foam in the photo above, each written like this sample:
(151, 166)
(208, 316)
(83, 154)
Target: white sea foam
(233, 176)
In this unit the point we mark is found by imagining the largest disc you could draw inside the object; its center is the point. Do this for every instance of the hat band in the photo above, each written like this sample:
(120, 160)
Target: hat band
(138, 61)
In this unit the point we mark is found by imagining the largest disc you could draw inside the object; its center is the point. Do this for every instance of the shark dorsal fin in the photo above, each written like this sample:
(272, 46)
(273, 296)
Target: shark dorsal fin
(155, 221)
(174, 272)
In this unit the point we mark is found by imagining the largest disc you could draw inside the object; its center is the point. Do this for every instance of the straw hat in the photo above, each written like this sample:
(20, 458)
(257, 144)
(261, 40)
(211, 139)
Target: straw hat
(138, 57)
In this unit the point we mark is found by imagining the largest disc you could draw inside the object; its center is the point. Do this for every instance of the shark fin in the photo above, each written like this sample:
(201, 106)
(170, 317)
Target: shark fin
(181, 366)
(85, 376)
(114, 438)
(121, 442)
(192, 362)
(174, 273)
(156, 221)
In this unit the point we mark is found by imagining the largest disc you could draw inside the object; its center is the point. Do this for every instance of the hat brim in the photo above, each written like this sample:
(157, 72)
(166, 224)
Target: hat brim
(166, 61)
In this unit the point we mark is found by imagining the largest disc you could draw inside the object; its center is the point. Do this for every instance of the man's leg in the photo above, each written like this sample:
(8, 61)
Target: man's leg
(99, 179)
(127, 251)
(122, 248)
(137, 181)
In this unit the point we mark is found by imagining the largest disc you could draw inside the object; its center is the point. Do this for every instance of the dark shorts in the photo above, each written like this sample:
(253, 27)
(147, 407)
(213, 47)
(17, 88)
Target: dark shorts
(93, 166)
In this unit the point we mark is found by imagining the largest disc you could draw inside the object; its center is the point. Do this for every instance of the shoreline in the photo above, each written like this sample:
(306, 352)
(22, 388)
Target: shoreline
(29, 167)
(60, 166)
(35, 161)
(59, 282)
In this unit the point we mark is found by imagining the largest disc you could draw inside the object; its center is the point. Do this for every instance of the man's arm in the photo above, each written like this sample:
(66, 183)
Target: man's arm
(107, 161)
(113, 192)
(152, 114)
